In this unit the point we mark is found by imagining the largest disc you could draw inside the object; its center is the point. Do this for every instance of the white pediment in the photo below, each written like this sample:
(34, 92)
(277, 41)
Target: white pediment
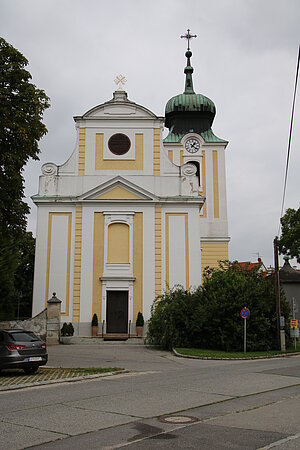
(118, 189)
(119, 106)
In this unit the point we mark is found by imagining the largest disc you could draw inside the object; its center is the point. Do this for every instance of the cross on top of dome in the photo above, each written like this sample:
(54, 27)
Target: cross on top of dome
(188, 37)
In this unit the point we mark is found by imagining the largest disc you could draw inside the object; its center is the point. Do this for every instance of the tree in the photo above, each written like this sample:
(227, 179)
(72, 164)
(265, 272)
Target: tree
(21, 110)
(289, 242)
(23, 281)
(226, 291)
(209, 317)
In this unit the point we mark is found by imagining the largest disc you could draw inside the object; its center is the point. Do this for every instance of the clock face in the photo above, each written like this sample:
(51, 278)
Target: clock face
(192, 145)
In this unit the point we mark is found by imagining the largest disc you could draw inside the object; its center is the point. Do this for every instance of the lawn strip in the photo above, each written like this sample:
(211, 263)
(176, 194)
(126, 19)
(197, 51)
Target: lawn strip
(10, 378)
(217, 354)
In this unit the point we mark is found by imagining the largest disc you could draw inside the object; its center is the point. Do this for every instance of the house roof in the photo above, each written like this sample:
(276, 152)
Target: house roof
(247, 265)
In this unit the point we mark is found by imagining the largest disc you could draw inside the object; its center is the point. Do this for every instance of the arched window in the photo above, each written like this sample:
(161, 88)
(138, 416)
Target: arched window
(118, 244)
(198, 170)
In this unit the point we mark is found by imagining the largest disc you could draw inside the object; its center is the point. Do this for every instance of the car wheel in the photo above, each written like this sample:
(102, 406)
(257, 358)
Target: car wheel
(31, 369)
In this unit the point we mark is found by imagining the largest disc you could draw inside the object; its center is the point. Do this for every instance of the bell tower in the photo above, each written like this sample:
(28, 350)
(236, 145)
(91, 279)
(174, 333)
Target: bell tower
(189, 118)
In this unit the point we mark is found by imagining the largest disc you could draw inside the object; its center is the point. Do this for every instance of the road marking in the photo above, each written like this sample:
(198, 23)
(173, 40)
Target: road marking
(282, 441)
(133, 374)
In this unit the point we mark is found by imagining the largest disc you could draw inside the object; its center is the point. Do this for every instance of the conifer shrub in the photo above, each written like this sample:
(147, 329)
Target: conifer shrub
(139, 320)
(95, 320)
(67, 329)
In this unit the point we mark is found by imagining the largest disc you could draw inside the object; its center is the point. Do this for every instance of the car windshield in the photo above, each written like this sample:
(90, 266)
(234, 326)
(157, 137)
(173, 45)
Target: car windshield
(23, 336)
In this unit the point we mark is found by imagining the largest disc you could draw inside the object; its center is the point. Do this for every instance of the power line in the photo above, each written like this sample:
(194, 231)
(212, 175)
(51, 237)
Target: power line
(290, 139)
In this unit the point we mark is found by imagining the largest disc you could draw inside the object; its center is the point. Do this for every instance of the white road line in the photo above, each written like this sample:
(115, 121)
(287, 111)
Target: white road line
(282, 441)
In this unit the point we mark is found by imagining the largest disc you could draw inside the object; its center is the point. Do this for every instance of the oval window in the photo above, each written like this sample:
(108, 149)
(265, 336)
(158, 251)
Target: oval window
(119, 144)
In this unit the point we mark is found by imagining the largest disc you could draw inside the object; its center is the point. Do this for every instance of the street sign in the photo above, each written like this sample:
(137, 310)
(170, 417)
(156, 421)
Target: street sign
(294, 323)
(244, 313)
(294, 332)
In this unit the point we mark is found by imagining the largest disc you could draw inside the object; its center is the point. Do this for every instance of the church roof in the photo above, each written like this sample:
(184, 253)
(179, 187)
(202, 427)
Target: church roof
(119, 105)
(287, 274)
(190, 112)
(190, 102)
(208, 136)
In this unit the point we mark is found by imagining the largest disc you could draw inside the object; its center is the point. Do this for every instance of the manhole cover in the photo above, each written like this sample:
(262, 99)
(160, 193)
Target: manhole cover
(178, 419)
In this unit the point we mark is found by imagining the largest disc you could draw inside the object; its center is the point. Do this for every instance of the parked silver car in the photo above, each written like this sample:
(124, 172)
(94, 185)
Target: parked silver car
(22, 349)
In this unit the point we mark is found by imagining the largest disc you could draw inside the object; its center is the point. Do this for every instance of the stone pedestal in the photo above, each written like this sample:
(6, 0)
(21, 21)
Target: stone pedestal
(282, 340)
(53, 320)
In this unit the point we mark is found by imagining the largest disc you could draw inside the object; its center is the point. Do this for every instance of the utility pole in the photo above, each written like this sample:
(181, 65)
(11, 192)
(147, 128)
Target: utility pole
(277, 291)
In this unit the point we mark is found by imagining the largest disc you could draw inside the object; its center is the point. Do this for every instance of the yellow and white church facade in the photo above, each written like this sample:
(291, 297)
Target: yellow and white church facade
(130, 215)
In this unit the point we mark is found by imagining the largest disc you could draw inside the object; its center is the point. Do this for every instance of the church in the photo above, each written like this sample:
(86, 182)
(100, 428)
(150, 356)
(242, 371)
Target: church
(131, 214)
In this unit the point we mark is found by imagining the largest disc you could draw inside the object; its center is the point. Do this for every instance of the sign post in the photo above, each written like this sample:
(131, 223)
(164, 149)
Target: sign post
(244, 315)
(294, 331)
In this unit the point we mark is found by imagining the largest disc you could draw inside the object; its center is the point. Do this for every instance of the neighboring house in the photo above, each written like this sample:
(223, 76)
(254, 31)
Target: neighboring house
(247, 265)
(290, 283)
(131, 214)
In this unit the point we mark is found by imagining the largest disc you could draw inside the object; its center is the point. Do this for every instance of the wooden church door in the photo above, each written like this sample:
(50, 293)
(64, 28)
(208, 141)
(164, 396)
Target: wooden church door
(117, 311)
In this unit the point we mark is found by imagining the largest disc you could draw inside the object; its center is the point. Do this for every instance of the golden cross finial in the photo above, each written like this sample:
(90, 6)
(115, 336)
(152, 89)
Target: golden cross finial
(120, 81)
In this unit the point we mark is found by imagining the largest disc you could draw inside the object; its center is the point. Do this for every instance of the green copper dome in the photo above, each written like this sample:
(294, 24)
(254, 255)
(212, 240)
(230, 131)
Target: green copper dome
(190, 102)
(189, 111)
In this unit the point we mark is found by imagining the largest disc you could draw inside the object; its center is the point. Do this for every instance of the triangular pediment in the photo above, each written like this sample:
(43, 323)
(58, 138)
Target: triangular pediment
(118, 193)
(118, 189)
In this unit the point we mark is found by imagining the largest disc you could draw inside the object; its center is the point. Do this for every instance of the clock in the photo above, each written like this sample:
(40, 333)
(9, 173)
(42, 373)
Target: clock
(192, 145)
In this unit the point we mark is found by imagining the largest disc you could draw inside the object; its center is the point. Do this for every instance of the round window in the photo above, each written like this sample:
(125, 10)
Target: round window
(119, 144)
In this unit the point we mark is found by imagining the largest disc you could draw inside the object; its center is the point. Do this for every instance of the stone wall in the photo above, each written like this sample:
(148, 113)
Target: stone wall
(37, 324)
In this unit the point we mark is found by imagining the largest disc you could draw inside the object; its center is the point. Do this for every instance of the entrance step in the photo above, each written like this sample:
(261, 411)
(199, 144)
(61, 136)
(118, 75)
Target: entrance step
(115, 337)
(88, 340)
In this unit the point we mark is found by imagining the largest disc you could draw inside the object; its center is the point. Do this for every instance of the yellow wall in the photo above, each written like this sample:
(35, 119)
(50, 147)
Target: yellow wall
(118, 193)
(137, 264)
(81, 155)
(156, 152)
(204, 208)
(119, 164)
(98, 261)
(212, 252)
(157, 243)
(216, 184)
(77, 264)
(118, 244)
(181, 158)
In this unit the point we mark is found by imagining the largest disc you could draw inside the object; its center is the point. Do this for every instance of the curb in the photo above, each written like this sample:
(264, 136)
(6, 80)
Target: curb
(285, 355)
(62, 380)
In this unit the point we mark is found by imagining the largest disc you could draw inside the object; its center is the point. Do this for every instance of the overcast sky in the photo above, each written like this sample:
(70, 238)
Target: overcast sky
(244, 59)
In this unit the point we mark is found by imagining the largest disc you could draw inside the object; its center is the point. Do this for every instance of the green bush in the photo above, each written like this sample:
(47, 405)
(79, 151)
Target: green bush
(209, 317)
(67, 329)
(171, 319)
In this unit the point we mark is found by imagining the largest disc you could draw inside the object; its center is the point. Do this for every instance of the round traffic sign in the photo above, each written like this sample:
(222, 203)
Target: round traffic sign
(244, 313)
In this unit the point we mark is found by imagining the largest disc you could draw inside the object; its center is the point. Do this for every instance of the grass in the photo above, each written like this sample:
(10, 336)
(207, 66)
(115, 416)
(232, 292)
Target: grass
(203, 353)
(11, 377)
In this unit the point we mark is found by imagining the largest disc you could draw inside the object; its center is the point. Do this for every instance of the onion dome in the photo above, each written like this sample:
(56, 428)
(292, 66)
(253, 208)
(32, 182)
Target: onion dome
(189, 112)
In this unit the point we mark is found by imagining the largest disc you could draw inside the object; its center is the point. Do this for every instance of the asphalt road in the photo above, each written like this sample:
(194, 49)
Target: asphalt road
(212, 404)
